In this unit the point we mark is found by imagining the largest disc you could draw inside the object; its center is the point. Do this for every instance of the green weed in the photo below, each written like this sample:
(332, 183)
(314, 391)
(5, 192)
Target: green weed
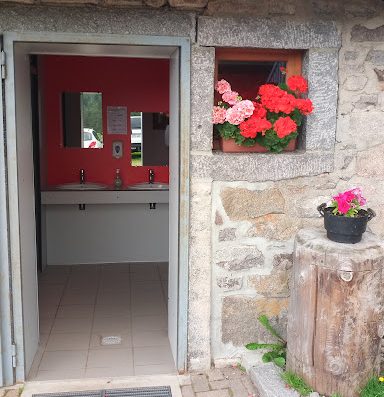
(276, 351)
(373, 388)
(296, 383)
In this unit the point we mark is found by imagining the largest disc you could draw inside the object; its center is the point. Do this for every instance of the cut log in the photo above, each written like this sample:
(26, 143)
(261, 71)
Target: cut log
(335, 321)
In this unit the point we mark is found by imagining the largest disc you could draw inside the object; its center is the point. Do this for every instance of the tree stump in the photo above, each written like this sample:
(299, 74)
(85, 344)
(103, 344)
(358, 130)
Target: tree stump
(335, 321)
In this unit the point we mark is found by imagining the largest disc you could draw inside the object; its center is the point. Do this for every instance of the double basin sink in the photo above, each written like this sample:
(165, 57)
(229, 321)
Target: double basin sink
(99, 186)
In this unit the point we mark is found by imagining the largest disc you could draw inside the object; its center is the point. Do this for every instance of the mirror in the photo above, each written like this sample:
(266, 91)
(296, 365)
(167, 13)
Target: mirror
(82, 120)
(149, 138)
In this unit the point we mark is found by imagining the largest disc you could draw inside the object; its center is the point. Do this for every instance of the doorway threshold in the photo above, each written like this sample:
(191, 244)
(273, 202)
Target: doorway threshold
(61, 386)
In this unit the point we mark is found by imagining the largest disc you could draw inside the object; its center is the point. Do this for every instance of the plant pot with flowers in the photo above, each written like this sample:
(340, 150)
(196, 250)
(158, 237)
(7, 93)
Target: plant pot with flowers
(344, 218)
(267, 124)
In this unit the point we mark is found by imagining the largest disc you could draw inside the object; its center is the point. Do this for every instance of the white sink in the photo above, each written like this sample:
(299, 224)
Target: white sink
(82, 186)
(148, 186)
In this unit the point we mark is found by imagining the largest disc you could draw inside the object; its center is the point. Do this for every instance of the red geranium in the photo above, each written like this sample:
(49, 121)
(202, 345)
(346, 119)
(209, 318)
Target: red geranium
(284, 126)
(259, 110)
(276, 100)
(253, 125)
(305, 106)
(297, 83)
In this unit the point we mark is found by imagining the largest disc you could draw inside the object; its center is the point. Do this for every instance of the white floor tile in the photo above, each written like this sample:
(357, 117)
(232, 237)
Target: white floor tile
(126, 340)
(143, 267)
(116, 267)
(45, 325)
(66, 373)
(148, 308)
(112, 358)
(113, 297)
(150, 338)
(63, 360)
(68, 341)
(111, 325)
(96, 301)
(119, 310)
(78, 297)
(152, 355)
(149, 323)
(65, 325)
(75, 311)
(47, 312)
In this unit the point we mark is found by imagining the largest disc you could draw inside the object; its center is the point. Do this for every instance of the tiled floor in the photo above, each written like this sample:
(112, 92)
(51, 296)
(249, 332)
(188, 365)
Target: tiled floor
(80, 305)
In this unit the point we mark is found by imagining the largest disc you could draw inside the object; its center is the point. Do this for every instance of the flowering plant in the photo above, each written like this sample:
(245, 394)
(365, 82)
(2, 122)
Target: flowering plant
(348, 203)
(271, 120)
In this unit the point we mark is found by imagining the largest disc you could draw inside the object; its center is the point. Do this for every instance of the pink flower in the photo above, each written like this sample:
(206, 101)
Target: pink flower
(222, 86)
(359, 196)
(234, 116)
(344, 201)
(218, 116)
(231, 97)
(247, 107)
(239, 112)
(343, 205)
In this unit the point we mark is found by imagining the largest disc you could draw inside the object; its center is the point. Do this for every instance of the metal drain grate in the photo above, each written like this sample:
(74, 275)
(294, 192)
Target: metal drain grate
(162, 391)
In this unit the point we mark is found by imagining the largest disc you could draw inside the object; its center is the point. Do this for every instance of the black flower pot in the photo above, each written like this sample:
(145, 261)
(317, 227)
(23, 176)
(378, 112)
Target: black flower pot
(343, 229)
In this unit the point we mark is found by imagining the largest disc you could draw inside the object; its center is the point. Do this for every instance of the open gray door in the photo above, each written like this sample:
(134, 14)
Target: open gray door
(7, 359)
(173, 279)
(21, 205)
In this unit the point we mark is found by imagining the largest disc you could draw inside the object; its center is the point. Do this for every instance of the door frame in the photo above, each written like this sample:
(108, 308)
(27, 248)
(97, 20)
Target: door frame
(92, 45)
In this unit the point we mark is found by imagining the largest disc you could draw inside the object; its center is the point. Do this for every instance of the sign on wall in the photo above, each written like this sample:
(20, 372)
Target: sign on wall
(117, 120)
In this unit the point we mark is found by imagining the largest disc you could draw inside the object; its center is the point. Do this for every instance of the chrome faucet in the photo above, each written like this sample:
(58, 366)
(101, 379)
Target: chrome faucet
(151, 175)
(82, 176)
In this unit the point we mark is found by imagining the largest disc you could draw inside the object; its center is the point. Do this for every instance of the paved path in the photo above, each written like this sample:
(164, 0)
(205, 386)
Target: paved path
(224, 382)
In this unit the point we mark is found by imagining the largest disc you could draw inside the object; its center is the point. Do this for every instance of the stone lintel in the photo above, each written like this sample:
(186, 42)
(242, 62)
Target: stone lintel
(100, 20)
(258, 167)
(266, 33)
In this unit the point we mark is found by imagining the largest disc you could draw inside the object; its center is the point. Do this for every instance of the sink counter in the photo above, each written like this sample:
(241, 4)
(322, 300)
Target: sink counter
(104, 196)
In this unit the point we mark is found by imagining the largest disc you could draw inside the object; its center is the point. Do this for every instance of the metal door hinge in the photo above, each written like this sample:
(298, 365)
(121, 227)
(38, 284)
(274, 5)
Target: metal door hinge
(14, 356)
(3, 65)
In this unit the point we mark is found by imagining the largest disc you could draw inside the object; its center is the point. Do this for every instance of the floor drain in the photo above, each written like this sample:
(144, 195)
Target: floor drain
(161, 391)
(110, 340)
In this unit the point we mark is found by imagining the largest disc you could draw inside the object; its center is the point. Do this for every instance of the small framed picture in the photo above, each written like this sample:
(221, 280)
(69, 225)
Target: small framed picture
(117, 149)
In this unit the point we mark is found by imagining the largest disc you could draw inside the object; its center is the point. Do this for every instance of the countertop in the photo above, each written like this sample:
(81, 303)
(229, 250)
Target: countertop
(104, 196)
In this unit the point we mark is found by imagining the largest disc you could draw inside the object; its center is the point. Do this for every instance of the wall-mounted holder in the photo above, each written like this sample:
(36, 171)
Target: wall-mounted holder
(117, 149)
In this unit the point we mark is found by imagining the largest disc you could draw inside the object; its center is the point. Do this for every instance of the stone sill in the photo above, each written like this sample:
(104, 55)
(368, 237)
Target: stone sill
(259, 167)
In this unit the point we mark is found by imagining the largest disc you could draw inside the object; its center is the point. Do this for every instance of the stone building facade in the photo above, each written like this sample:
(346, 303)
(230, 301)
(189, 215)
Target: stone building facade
(246, 208)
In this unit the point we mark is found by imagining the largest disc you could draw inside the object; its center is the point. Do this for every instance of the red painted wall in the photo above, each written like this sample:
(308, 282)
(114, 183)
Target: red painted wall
(138, 84)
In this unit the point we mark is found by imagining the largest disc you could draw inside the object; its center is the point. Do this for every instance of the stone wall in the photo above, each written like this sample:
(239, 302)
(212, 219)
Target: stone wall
(253, 224)
(246, 208)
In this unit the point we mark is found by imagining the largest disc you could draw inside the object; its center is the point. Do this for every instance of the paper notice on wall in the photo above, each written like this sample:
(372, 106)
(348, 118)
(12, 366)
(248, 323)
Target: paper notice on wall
(117, 119)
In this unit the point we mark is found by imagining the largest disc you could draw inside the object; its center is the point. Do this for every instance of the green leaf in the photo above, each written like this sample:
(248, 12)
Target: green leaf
(267, 357)
(256, 346)
(279, 361)
(265, 322)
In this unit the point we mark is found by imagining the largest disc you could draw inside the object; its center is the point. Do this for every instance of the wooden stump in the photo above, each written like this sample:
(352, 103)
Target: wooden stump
(335, 321)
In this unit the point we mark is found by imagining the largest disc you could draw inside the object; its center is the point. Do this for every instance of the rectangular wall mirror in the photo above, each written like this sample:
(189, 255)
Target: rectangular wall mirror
(149, 138)
(82, 120)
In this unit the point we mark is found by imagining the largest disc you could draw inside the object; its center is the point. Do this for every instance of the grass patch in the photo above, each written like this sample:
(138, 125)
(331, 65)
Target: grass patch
(373, 388)
(296, 383)
(136, 159)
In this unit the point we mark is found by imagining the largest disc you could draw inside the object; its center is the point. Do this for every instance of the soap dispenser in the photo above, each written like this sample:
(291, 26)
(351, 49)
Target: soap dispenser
(118, 181)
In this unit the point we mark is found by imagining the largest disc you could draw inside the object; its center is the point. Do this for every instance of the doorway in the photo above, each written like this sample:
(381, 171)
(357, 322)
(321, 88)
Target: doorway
(22, 234)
